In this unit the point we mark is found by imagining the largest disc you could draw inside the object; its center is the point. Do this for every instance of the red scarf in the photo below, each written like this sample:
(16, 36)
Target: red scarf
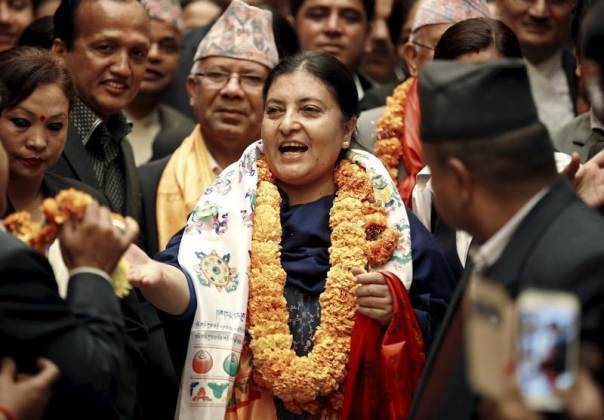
(412, 147)
(384, 368)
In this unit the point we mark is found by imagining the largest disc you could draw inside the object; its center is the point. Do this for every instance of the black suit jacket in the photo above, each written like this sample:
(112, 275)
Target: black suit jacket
(558, 245)
(83, 334)
(75, 163)
(150, 382)
(149, 175)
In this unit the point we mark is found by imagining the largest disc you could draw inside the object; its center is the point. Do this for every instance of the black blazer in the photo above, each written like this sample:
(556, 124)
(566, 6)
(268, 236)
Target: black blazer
(557, 246)
(149, 175)
(83, 334)
(149, 373)
(75, 163)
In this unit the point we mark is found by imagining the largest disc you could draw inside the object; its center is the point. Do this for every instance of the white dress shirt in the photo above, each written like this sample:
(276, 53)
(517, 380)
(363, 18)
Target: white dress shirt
(551, 93)
(142, 136)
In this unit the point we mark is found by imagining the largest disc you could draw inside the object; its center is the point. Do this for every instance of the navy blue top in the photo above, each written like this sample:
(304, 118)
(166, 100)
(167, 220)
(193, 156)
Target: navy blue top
(305, 258)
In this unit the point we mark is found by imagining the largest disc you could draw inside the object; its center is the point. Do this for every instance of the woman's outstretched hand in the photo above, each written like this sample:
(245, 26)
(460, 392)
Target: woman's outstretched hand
(163, 285)
(143, 271)
(373, 295)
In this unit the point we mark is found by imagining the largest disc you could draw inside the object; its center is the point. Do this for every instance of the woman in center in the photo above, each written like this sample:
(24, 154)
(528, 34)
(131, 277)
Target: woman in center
(297, 263)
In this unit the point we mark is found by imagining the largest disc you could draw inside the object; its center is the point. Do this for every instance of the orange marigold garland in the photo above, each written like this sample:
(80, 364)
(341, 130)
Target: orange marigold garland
(359, 236)
(390, 129)
(68, 204)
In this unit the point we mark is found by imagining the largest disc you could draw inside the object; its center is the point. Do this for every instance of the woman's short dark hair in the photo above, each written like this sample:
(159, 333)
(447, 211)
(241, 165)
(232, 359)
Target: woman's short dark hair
(24, 69)
(329, 70)
(476, 35)
(368, 5)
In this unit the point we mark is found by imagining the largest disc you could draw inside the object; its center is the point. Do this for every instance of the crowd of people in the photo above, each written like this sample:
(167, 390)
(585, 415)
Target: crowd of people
(299, 209)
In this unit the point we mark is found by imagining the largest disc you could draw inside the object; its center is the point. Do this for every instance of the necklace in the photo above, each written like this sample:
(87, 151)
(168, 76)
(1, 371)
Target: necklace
(358, 228)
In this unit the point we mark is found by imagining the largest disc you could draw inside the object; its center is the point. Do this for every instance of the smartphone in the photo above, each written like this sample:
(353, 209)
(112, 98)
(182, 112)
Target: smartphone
(547, 346)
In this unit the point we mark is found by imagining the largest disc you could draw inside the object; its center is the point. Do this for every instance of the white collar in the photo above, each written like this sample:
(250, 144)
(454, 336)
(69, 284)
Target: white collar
(596, 124)
(146, 121)
(214, 166)
(485, 255)
(359, 86)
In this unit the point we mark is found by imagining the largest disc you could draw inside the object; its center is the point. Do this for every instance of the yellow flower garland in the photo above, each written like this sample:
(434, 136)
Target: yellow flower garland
(390, 129)
(68, 204)
(355, 222)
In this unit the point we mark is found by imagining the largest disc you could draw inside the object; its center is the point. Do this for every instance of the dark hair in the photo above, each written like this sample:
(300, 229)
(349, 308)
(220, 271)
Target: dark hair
(368, 5)
(476, 35)
(64, 20)
(329, 70)
(24, 69)
(398, 15)
(579, 12)
(508, 161)
(285, 35)
(38, 34)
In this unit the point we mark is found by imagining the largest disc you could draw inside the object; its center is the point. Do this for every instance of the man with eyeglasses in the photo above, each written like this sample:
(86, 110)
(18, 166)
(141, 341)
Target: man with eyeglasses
(432, 19)
(150, 118)
(225, 90)
(543, 29)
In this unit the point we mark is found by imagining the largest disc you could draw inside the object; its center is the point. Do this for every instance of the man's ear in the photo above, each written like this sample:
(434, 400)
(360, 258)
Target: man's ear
(191, 82)
(59, 48)
(464, 182)
(409, 53)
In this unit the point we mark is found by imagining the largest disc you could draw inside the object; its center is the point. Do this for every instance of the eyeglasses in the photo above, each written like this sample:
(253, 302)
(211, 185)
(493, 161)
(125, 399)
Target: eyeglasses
(219, 79)
(419, 44)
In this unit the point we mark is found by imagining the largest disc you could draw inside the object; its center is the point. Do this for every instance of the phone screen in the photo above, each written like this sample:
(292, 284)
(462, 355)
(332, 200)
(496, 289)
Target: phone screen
(547, 337)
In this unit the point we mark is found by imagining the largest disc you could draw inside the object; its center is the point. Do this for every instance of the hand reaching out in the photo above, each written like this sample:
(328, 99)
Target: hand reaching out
(588, 179)
(143, 271)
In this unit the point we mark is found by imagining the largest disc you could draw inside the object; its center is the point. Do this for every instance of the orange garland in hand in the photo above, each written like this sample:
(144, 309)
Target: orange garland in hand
(68, 204)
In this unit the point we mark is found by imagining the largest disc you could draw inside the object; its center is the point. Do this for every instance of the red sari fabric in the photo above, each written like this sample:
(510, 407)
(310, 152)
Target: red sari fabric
(412, 147)
(384, 367)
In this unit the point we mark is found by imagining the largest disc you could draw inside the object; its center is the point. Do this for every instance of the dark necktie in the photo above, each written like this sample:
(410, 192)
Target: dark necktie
(108, 170)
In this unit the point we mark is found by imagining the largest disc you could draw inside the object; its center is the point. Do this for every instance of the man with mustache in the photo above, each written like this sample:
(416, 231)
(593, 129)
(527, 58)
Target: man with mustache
(543, 28)
(149, 117)
(225, 90)
(104, 44)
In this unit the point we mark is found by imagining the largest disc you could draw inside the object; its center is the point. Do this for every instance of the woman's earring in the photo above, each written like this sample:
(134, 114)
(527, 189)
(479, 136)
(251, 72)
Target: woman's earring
(346, 144)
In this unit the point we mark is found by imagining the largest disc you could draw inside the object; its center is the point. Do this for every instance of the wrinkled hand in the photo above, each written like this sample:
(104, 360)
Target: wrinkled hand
(94, 241)
(26, 395)
(143, 271)
(588, 179)
(373, 295)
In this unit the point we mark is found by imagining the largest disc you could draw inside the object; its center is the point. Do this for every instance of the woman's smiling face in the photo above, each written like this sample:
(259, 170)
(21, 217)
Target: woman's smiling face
(303, 132)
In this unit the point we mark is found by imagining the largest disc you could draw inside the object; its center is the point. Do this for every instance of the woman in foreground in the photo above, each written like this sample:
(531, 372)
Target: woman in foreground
(292, 273)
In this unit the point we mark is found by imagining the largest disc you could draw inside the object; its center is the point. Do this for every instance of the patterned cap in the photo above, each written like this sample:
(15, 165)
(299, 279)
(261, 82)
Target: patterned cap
(168, 11)
(244, 32)
(432, 12)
